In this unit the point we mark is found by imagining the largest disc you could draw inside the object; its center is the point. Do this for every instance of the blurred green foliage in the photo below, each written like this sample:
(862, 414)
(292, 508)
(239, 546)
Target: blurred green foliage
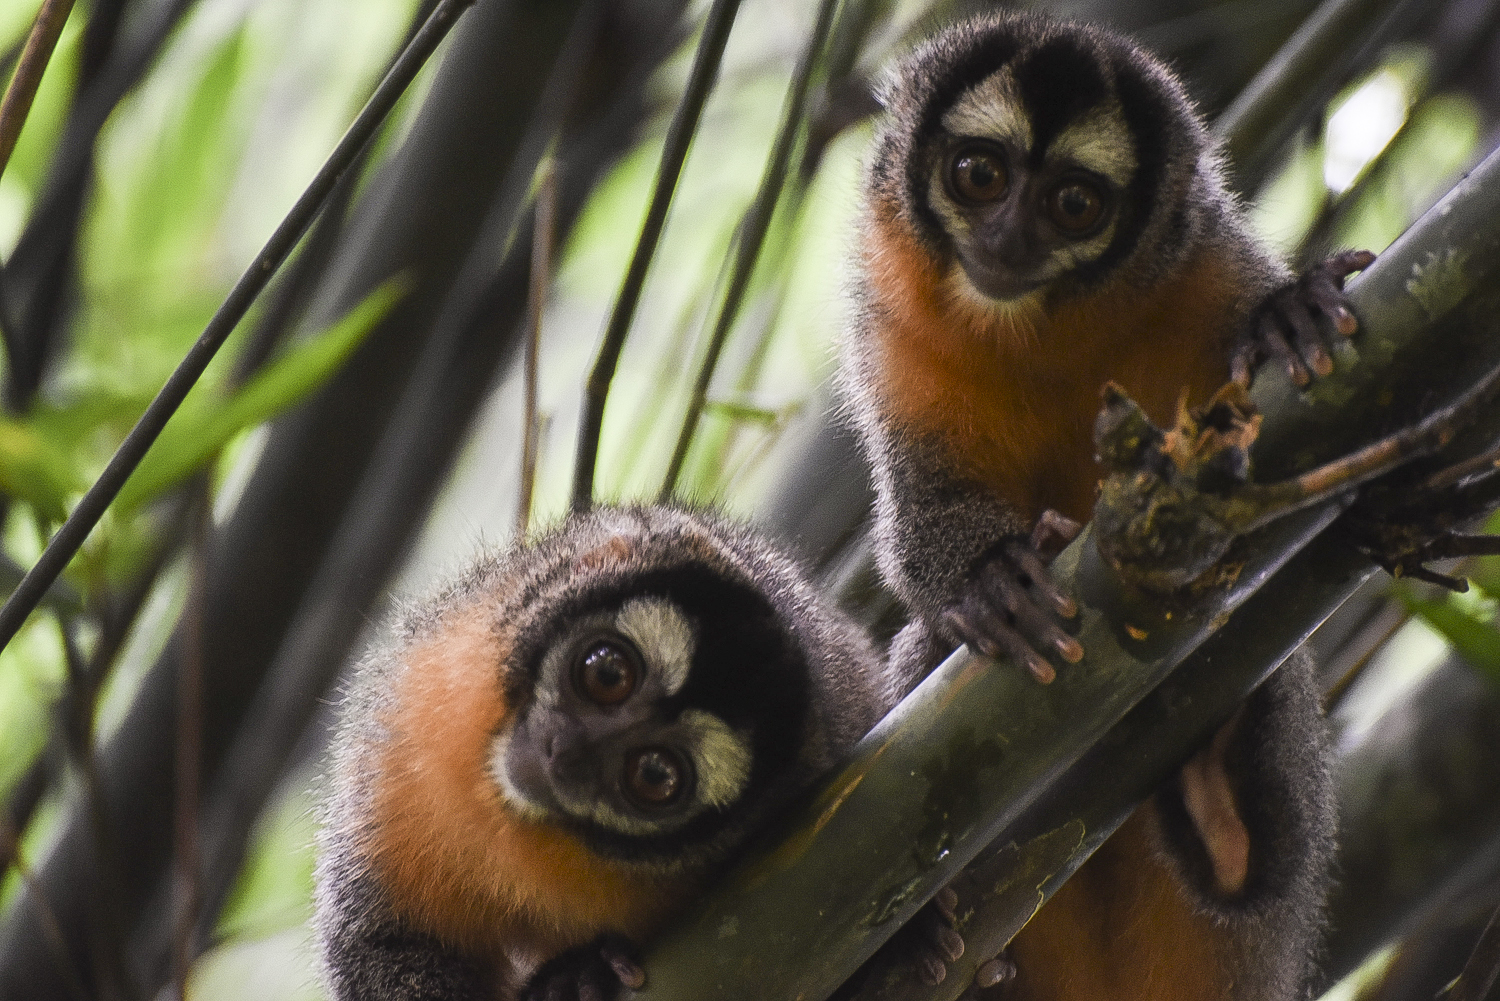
(196, 168)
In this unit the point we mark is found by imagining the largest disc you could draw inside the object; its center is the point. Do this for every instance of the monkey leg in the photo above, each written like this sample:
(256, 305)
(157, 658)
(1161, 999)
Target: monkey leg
(1214, 888)
(1293, 323)
(928, 941)
(371, 955)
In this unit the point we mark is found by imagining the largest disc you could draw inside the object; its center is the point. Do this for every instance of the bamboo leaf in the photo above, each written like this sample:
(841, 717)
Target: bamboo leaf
(743, 412)
(34, 469)
(202, 428)
(1472, 635)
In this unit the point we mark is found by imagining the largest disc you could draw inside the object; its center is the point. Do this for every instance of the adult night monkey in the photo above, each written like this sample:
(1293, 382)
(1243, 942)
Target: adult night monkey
(551, 754)
(1045, 212)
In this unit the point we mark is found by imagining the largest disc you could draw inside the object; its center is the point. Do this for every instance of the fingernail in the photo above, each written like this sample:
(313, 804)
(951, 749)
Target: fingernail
(1042, 671)
(1322, 364)
(629, 974)
(1071, 649)
(1067, 607)
(994, 972)
(1345, 321)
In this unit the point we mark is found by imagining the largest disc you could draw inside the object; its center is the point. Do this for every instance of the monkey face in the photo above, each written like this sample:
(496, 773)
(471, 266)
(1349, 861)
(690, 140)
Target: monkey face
(1019, 215)
(659, 708)
(1032, 155)
(607, 740)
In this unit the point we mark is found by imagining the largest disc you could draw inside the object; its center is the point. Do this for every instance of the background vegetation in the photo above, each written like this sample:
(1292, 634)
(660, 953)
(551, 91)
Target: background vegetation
(249, 559)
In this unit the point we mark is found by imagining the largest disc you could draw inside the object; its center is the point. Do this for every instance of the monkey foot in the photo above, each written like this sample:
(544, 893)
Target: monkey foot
(928, 941)
(1011, 605)
(1292, 324)
(1401, 558)
(593, 972)
(1404, 525)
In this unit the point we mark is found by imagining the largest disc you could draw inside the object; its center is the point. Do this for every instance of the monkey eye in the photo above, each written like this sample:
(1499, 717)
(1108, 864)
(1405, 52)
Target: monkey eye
(607, 673)
(655, 776)
(1075, 205)
(978, 175)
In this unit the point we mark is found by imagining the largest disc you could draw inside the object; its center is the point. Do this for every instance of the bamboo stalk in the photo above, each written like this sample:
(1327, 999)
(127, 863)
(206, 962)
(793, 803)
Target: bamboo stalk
(969, 756)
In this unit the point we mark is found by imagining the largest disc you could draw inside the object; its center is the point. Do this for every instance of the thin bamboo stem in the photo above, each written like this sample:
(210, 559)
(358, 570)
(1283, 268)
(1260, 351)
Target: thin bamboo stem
(752, 235)
(542, 239)
(40, 44)
(674, 152)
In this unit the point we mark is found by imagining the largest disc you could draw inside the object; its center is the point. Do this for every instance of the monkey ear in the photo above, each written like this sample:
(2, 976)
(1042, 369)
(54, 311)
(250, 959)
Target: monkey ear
(612, 553)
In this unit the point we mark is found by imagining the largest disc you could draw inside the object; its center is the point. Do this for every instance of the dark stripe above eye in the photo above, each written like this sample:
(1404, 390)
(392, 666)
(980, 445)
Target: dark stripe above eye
(1151, 118)
(977, 56)
(1059, 81)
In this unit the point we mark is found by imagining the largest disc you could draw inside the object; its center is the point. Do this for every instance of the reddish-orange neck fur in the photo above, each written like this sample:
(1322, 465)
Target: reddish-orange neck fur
(456, 861)
(1015, 399)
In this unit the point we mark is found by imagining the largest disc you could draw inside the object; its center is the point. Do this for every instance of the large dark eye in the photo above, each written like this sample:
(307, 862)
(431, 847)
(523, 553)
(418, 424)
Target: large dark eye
(607, 673)
(655, 776)
(978, 175)
(1075, 205)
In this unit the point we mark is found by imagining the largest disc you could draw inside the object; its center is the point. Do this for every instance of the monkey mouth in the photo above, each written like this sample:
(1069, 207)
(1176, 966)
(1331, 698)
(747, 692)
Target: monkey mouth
(1000, 284)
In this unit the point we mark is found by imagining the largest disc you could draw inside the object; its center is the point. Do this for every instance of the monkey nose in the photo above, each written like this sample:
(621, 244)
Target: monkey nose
(569, 758)
(1006, 245)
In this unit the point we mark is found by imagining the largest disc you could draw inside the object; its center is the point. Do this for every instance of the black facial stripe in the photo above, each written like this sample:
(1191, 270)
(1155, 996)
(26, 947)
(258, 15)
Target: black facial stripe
(986, 54)
(1059, 81)
(1147, 112)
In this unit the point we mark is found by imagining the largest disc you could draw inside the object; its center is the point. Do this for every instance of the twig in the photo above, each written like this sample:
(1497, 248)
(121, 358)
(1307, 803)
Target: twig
(542, 238)
(91, 508)
(10, 845)
(77, 725)
(1484, 964)
(752, 235)
(28, 76)
(673, 153)
(189, 752)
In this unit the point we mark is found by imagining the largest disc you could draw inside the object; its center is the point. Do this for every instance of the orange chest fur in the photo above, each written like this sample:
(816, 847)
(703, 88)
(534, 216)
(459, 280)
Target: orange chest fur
(455, 859)
(1013, 397)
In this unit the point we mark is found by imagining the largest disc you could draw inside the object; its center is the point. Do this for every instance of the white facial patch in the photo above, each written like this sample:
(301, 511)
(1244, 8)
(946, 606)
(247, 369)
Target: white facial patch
(991, 109)
(664, 638)
(721, 757)
(513, 796)
(1014, 319)
(1101, 142)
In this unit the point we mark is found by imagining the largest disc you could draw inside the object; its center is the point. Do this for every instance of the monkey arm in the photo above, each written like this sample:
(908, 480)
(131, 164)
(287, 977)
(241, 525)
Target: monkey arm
(1297, 323)
(963, 560)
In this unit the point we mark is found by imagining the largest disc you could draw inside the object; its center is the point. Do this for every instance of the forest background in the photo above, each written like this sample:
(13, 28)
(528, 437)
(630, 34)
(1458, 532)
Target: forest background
(246, 561)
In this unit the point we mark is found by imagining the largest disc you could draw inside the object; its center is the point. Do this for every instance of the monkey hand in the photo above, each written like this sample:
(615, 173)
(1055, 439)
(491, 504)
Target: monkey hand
(1292, 324)
(592, 972)
(1010, 605)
